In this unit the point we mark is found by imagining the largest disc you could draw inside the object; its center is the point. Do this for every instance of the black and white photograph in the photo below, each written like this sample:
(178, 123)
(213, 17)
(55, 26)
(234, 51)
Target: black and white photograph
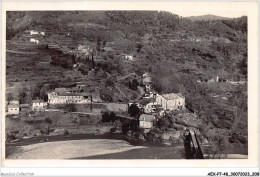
(125, 85)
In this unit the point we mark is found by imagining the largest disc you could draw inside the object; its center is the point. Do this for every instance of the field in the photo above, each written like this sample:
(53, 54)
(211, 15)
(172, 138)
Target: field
(89, 147)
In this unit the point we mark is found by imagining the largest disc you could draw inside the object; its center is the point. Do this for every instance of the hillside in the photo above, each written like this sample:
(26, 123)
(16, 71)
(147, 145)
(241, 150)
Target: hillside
(182, 55)
(207, 17)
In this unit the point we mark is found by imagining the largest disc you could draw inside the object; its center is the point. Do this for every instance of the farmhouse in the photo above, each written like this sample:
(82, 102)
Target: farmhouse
(172, 101)
(146, 121)
(38, 105)
(13, 108)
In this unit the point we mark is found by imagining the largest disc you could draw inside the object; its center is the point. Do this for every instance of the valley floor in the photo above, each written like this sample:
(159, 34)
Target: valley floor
(91, 149)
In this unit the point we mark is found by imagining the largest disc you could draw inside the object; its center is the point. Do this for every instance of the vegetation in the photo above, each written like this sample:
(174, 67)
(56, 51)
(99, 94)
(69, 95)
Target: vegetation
(134, 110)
(182, 55)
(108, 117)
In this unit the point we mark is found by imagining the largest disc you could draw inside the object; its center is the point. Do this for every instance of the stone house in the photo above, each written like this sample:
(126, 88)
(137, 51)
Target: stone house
(38, 105)
(33, 32)
(150, 107)
(13, 109)
(172, 101)
(146, 121)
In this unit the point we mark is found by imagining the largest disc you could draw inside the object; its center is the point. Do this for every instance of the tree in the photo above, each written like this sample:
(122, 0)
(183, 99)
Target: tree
(71, 107)
(48, 121)
(109, 82)
(108, 117)
(134, 110)
(105, 117)
(98, 46)
(104, 44)
(133, 84)
(163, 123)
(73, 58)
(9, 97)
(139, 47)
(134, 125)
(219, 147)
(93, 62)
(125, 128)
(22, 96)
(43, 92)
(112, 116)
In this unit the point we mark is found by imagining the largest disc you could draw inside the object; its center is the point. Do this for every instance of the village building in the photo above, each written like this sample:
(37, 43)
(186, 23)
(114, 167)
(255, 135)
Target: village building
(172, 101)
(128, 57)
(146, 121)
(38, 105)
(13, 108)
(150, 107)
(77, 98)
(34, 40)
(33, 32)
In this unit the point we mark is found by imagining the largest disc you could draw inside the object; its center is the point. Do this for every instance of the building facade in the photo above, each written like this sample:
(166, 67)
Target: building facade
(146, 121)
(38, 105)
(172, 101)
(75, 98)
(13, 109)
(150, 107)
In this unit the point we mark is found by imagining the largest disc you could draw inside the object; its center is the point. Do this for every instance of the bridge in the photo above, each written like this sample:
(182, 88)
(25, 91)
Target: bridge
(192, 146)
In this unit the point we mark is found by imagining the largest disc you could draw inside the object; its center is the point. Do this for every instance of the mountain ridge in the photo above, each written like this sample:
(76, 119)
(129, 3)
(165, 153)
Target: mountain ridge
(209, 17)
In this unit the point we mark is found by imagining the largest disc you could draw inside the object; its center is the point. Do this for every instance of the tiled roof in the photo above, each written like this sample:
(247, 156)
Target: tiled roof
(13, 106)
(172, 96)
(37, 101)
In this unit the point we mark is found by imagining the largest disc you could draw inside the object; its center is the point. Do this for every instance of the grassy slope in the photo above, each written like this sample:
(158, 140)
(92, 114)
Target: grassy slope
(125, 31)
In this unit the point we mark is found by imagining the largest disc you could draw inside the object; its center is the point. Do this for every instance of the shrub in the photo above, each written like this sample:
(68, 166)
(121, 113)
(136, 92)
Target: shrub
(108, 117)
(134, 125)
(163, 123)
(66, 132)
(134, 110)
(125, 128)
(113, 130)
